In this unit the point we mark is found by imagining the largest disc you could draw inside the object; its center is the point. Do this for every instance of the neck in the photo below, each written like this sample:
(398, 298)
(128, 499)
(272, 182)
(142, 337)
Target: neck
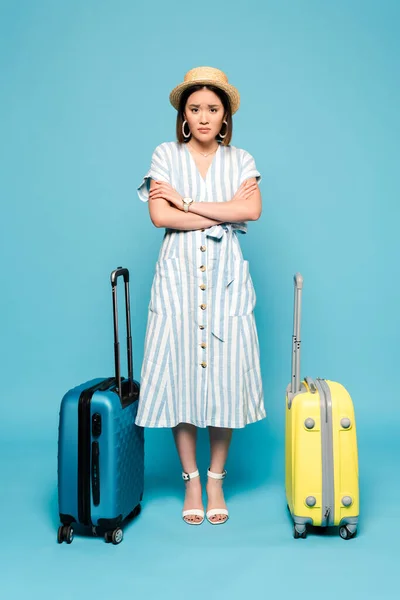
(203, 146)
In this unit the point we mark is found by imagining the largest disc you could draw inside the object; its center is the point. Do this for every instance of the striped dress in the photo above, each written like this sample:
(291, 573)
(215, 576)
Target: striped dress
(201, 361)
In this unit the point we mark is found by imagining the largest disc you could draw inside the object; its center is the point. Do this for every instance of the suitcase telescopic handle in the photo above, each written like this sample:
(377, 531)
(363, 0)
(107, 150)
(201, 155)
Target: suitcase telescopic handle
(296, 340)
(121, 272)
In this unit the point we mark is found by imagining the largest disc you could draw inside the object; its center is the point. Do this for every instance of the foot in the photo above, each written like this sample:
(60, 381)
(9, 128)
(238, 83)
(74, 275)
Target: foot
(193, 500)
(216, 500)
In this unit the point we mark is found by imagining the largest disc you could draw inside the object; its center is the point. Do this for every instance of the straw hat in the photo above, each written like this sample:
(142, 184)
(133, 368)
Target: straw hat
(206, 76)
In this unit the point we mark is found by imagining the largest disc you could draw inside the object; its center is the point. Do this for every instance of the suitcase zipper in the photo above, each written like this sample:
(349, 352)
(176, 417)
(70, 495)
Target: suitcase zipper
(328, 494)
(96, 473)
(84, 448)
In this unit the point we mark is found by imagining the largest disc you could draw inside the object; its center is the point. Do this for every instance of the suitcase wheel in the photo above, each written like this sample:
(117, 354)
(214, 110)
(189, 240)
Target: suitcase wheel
(115, 537)
(299, 534)
(346, 534)
(65, 534)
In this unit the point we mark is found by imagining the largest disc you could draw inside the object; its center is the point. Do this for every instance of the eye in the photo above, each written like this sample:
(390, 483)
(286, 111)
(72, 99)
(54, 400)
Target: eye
(214, 109)
(193, 109)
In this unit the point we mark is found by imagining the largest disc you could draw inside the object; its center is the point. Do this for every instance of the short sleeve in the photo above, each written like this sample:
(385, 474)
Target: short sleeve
(248, 168)
(159, 171)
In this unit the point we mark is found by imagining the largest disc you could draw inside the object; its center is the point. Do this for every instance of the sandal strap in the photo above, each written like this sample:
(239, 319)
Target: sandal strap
(193, 511)
(217, 511)
(187, 476)
(217, 475)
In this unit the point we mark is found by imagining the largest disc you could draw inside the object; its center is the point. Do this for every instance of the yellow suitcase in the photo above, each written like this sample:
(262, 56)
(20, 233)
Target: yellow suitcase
(321, 448)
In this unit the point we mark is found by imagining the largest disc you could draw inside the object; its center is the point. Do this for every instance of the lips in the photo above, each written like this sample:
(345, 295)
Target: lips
(204, 129)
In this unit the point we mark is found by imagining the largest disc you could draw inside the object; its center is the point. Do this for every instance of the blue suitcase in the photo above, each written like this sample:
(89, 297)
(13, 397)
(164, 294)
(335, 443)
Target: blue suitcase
(100, 449)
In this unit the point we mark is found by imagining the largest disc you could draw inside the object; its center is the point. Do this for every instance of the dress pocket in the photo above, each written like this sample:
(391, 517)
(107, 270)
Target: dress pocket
(165, 295)
(241, 292)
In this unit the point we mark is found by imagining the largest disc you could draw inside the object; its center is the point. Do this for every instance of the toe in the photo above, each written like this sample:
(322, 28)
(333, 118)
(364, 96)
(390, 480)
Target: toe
(218, 518)
(192, 519)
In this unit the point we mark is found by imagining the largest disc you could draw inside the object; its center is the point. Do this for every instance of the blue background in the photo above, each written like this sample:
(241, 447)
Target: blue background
(84, 101)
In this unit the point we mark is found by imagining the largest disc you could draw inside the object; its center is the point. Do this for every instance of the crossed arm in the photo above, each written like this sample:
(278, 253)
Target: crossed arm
(244, 206)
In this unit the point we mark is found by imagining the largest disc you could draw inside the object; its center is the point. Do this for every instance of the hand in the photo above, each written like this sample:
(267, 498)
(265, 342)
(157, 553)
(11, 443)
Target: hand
(245, 190)
(166, 191)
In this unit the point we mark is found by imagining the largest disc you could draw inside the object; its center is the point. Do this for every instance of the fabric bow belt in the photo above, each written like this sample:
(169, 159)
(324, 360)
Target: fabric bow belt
(222, 275)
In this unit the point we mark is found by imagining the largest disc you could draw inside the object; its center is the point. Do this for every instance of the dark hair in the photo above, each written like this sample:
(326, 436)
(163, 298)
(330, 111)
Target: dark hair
(227, 108)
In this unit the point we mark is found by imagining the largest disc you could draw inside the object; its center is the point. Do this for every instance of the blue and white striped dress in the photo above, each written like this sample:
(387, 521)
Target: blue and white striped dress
(201, 362)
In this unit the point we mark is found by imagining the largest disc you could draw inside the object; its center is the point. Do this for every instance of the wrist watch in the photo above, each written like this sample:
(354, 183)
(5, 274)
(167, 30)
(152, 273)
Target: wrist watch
(186, 203)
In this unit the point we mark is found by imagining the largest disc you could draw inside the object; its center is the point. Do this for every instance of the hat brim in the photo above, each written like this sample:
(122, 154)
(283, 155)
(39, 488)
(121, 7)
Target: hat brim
(230, 90)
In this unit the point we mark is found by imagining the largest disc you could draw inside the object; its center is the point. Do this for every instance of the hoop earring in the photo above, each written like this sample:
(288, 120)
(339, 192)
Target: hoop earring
(220, 134)
(183, 131)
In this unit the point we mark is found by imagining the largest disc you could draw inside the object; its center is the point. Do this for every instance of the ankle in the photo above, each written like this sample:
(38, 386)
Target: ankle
(214, 483)
(193, 483)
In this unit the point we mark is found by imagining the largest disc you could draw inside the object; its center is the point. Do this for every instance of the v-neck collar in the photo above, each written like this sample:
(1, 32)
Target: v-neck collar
(204, 180)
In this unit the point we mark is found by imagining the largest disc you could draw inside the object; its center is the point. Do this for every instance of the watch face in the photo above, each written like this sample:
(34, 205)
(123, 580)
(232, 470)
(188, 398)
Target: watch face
(187, 200)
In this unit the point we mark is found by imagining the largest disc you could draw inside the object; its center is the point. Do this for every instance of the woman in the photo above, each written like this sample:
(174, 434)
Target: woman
(201, 365)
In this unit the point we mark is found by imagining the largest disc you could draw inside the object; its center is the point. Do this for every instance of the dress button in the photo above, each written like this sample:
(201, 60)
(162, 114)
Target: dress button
(203, 306)
(202, 287)
(203, 364)
(202, 268)
(201, 326)
(203, 248)
(203, 345)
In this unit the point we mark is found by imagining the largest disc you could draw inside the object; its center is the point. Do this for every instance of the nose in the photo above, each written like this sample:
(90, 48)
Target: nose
(204, 120)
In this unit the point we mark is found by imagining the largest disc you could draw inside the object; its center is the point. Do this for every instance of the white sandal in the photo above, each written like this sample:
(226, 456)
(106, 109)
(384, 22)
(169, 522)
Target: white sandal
(197, 512)
(217, 511)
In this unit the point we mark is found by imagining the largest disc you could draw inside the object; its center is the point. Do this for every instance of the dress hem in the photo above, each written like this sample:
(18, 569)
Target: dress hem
(202, 424)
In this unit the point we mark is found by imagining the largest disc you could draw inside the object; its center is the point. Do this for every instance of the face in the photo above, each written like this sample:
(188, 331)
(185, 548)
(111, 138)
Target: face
(204, 113)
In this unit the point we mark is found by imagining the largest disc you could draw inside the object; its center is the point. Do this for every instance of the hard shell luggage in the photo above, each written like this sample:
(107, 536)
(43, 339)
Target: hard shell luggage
(100, 448)
(321, 448)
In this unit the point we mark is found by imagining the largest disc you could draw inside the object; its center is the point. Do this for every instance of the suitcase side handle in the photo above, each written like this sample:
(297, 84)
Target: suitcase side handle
(296, 340)
(121, 272)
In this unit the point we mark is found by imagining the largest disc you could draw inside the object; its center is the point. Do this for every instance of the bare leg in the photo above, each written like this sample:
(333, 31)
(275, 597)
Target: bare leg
(220, 439)
(185, 436)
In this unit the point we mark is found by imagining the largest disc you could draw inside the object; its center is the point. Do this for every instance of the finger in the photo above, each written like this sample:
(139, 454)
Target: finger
(164, 188)
(160, 185)
(249, 188)
(158, 190)
(250, 192)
